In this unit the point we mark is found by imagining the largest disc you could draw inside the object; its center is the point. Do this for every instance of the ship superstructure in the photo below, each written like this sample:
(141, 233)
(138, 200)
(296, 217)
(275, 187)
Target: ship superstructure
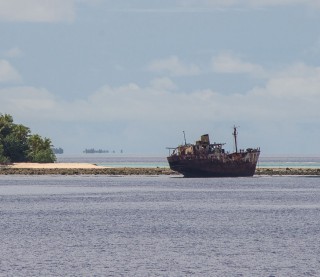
(204, 159)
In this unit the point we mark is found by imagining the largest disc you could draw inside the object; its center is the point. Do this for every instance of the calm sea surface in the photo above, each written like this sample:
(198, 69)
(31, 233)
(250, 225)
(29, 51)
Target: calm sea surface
(154, 161)
(159, 226)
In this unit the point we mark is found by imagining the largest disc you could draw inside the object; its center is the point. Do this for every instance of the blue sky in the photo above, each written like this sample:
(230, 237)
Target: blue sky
(133, 75)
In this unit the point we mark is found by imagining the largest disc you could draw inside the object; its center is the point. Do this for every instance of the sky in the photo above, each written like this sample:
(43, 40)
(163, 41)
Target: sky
(135, 74)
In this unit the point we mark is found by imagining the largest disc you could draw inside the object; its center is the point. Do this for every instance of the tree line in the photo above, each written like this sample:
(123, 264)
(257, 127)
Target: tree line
(17, 144)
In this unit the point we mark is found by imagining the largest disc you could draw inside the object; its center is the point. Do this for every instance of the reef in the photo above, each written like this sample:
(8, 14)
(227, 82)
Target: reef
(7, 170)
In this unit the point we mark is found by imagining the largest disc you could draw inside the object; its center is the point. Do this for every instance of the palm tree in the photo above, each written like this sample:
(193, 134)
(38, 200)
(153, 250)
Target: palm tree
(21, 132)
(6, 124)
(40, 149)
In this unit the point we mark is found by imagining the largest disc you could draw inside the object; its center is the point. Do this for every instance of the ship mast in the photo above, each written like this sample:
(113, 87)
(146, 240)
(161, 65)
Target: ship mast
(235, 133)
(184, 136)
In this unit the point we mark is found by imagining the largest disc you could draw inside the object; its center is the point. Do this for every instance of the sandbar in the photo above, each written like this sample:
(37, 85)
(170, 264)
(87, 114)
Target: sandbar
(93, 169)
(54, 165)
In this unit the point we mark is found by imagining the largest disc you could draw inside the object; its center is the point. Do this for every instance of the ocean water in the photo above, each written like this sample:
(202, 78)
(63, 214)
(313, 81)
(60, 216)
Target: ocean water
(116, 160)
(159, 226)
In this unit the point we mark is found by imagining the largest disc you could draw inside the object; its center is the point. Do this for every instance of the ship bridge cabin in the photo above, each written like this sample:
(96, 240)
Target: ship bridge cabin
(203, 145)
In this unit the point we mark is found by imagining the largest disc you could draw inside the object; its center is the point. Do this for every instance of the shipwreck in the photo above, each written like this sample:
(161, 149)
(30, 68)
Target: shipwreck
(205, 159)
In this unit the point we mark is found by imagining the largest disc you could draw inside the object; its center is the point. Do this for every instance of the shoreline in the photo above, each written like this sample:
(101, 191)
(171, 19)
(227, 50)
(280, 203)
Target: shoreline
(289, 171)
(92, 169)
(87, 171)
(53, 165)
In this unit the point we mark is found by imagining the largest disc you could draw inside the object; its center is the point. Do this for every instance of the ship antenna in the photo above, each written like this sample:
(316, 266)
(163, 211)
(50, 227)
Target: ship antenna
(184, 136)
(235, 133)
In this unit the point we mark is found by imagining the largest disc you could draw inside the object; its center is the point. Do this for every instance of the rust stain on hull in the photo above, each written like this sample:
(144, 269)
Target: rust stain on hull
(211, 160)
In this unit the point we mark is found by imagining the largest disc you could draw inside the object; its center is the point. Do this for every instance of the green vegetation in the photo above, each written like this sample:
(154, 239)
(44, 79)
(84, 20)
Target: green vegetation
(17, 144)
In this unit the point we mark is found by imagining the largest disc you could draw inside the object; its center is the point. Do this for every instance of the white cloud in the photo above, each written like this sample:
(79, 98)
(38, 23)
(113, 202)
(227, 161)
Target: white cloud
(163, 83)
(266, 3)
(13, 52)
(227, 63)
(174, 67)
(8, 73)
(207, 3)
(298, 85)
(291, 95)
(64, 10)
(247, 3)
(37, 10)
(28, 102)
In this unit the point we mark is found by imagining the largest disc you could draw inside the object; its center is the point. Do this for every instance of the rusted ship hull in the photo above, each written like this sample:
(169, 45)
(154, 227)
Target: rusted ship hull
(205, 159)
(212, 168)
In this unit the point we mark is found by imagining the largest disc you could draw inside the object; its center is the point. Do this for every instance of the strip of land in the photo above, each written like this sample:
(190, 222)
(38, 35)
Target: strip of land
(288, 171)
(54, 165)
(92, 169)
(78, 169)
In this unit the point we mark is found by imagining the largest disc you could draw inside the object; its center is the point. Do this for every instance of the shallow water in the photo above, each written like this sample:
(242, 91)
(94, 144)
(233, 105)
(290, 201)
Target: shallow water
(159, 226)
(116, 160)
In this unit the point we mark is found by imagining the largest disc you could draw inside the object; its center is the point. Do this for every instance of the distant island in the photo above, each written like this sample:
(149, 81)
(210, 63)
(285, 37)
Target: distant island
(57, 150)
(92, 151)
